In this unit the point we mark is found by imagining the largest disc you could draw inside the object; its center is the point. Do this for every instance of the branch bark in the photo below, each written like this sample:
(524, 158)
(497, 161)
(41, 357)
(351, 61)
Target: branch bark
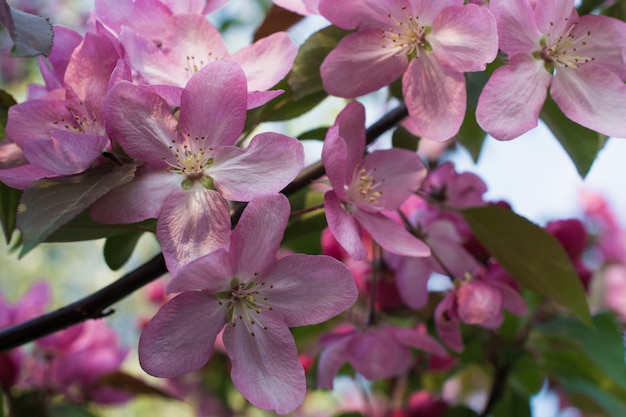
(97, 305)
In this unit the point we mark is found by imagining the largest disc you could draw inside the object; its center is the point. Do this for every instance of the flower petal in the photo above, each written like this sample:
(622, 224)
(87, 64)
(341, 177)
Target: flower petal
(335, 160)
(211, 273)
(435, 96)
(376, 354)
(604, 34)
(418, 340)
(510, 103)
(554, 17)
(517, 30)
(362, 62)
(265, 166)
(364, 14)
(411, 276)
(214, 104)
(448, 324)
(265, 367)
(344, 227)
(192, 224)
(391, 235)
(179, 338)
(592, 96)
(309, 289)
(330, 361)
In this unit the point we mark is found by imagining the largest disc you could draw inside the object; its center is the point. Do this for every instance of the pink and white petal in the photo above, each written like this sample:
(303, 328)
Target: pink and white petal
(257, 236)
(296, 6)
(391, 235)
(142, 123)
(179, 339)
(510, 103)
(592, 96)
(65, 152)
(435, 97)
(268, 164)
(331, 360)
(138, 200)
(308, 289)
(362, 62)
(214, 104)
(192, 224)
(448, 324)
(517, 30)
(411, 275)
(419, 340)
(398, 174)
(428, 10)
(604, 34)
(265, 366)
(554, 17)
(351, 122)
(364, 14)
(376, 354)
(344, 227)
(512, 300)
(464, 38)
(259, 98)
(267, 60)
(211, 273)
(335, 160)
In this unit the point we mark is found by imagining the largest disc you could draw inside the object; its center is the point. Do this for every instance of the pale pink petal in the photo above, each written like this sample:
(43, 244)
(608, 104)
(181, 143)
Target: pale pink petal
(365, 14)
(267, 60)
(447, 323)
(296, 6)
(376, 354)
(398, 174)
(517, 30)
(510, 103)
(211, 273)
(335, 160)
(213, 104)
(308, 289)
(265, 366)
(418, 340)
(53, 69)
(138, 200)
(592, 96)
(179, 338)
(148, 17)
(344, 227)
(34, 119)
(34, 303)
(361, 63)
(21, 177)
(192, 224)
(478, 303)
(428, 10)
(331, 360)
(259, 98)
(391, 235)
(444, 239)
(268, 164)
(512, 300)
(600, 45)
(351, 122)
(554, 17)
(464, 38)
(435, 96)
(257, 236)
(411, 276)
(142, 123)
(65, 152)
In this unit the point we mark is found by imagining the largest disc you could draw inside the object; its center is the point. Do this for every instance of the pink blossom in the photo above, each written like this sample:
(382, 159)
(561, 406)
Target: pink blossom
(365, 187)
(258, 298)
(191, 166)
(376, 352)
(430, 43)
(303, 7)
(572, 235)
(549, 45)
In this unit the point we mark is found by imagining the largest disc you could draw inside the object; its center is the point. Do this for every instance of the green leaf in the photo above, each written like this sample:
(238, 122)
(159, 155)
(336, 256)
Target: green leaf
(9, 201)
(512, 404)
(459, 411)
(82, 228)
(128, 383)
(32, 35)
(6, 101)
(305, 78)
(531, 255)
(118, 249)
(49, 203)
(581, 144)
(69, 410)
(404, 139)
(316, 134)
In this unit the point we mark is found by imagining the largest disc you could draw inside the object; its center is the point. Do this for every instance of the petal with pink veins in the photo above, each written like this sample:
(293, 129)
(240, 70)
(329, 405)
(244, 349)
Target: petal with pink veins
(364, 14)
(517, 30)
(309, 289)
(344, 227)
(331, 360)
(411, 276)
(179, 338)
(376, 354)
(211, 273)
(335, 160)
(554, 17)
(510, 103)
(265, 366)
(418, 340)
(448, 324)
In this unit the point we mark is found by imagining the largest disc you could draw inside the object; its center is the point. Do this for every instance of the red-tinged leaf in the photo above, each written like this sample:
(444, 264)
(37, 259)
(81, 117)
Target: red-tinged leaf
(32, 35)
(128, 383)
(531, 255)
(49, 203)
(277, 19)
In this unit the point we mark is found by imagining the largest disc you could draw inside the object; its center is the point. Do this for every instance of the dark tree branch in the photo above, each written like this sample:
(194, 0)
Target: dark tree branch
(95, 305)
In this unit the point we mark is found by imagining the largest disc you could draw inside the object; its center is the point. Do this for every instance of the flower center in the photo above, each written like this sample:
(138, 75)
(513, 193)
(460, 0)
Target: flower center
(192, 162)
(407, 35)
(363, 186)
(563, 50)
(245, 303)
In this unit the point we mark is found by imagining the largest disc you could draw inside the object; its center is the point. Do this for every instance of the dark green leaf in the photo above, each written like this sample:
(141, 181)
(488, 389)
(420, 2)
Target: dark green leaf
(118, 249)
(317, 134)
(32, 35)
(305, 76)
(49, 203)
(512, 404)
(404, 139)
(69, 410)
(83, 228)
(6, 101)
(581, 144)
(29, 403)
(588, 6)
(128, 383)
(459, 411)
(276, 19)
(531, 255)
(527, 377)
(9, 201)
